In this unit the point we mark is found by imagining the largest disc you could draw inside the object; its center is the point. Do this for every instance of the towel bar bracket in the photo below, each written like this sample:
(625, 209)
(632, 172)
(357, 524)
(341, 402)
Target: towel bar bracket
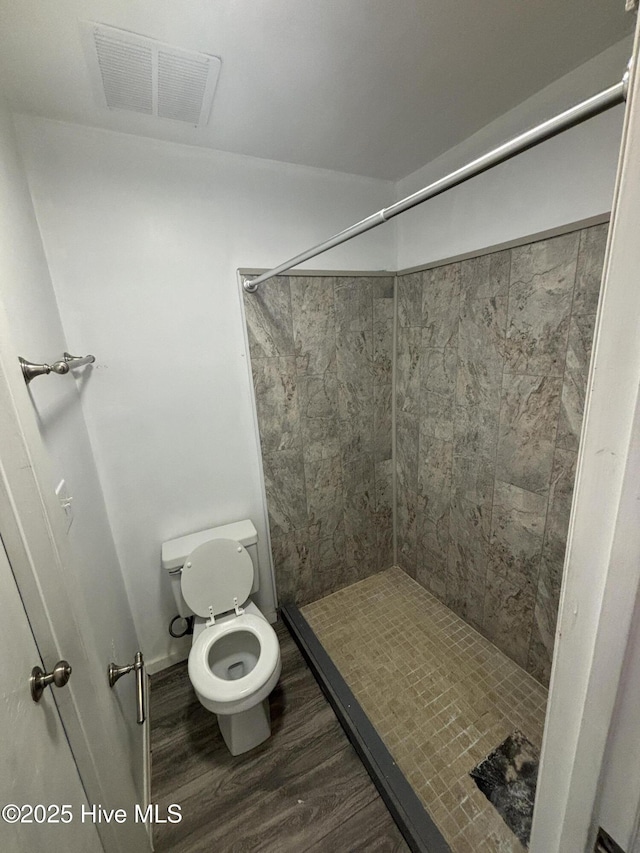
(68, 362)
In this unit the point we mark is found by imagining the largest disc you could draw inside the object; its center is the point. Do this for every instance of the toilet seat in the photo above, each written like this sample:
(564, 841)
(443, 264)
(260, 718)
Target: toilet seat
(236, 695)
(217, 577)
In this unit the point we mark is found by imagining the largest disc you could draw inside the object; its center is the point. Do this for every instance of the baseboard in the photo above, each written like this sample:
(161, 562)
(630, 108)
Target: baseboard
(158, 664)
(415, 824)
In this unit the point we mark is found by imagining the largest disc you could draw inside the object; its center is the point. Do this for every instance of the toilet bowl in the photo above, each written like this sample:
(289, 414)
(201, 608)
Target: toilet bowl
(234, 662)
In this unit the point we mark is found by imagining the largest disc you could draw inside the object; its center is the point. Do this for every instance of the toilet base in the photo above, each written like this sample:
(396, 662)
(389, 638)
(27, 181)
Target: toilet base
(244, 731)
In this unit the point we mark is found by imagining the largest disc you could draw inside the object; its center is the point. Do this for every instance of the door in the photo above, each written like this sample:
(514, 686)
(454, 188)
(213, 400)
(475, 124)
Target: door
(37, 765)
(589, 746)
(42, 560)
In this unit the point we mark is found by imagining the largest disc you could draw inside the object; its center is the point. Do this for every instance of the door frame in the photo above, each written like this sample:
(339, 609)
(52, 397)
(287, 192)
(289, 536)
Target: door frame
(602, 562)
(43, 565)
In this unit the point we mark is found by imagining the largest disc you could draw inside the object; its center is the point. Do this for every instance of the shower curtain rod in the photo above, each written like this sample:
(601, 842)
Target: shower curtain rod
(593, 106)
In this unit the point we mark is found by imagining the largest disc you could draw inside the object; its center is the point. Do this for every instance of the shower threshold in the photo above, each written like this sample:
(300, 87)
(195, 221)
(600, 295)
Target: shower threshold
(424, 698)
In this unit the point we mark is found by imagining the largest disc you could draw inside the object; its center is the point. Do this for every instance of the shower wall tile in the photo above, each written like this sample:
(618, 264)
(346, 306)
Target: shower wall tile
(440, 306)
(483, 499)
(328, 565)
(268, 315)
(407, 434)
(325, 503)
(508, 615)
(517, 529)
(322, 361)
(314, 324)
(285, 487)
(275, 381)
(475, 431)
(292, 566)
(355, 375)
(528, 422)
(383, 339)
(410, 300)
(382, 421)
(540, 295)
(593, 242)
(408, 369)
(354, 305)
(407, 530)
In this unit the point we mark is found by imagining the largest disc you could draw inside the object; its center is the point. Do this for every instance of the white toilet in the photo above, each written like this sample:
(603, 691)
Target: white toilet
(234, 662)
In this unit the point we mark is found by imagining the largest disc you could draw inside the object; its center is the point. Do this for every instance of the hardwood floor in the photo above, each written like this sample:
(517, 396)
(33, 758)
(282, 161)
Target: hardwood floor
(303, 790)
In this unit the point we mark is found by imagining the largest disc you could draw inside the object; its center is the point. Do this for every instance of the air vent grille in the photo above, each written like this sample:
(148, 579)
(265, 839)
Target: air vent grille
(132, 72)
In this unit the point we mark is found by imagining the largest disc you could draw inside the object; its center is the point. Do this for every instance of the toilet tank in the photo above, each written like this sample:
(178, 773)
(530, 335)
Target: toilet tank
(176, 551)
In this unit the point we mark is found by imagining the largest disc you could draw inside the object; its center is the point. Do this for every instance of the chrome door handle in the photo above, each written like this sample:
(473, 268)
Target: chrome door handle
(40, 679)
(115, 672)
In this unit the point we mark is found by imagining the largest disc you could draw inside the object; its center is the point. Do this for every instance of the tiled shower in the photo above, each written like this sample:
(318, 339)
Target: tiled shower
(489, 369)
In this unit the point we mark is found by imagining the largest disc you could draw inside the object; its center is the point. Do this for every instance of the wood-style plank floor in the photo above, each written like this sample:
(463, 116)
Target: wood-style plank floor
(303, 790)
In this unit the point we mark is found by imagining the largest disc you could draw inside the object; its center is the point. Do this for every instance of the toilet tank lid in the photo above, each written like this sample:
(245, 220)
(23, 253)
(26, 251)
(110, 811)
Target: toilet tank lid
(176, 551)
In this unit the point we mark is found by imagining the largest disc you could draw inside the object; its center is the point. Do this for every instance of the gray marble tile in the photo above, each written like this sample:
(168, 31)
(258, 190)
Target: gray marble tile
(541, 646)
(407, 436)
(485, 277)
(360, 543)
(517, 531)
(277, 402)
(320, 437)
(410, 300)
(355, 375)
(436, 415)
(318, 395)
(563, 476)
(528, 418)
(358, 480)
(574, 388)
(591, 254)
(384, 513)
(325, 491)
(475, 431)
(508, 615)
(469, 526)
(540, 296)
(581, 332)
(408, 362)
(407, 531)
(433, 544)
(434, 477)
(356, 434)
(465, 586)
(292, 567)
(353, 305)
(383, 472)
(382, 421)
(268, 313)
(328, 564)
(383, 287)
(383, 340)
(438, 370)
(472, 480)
(480, 353)
(441, 305)
(314, 325)
(285, 487)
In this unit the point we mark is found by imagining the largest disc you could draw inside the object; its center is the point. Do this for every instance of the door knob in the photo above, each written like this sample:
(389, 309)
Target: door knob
(40, 679)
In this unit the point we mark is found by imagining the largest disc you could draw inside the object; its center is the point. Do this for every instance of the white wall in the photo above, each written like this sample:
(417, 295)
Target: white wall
(143, 240)
(563, 180)
(37, 334)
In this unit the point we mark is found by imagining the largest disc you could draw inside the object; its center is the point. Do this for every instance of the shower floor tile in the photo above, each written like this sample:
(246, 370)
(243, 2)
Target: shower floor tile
(440, 695)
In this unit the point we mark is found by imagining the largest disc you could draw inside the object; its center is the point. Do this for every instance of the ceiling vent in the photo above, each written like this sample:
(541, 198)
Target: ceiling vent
(132, 72)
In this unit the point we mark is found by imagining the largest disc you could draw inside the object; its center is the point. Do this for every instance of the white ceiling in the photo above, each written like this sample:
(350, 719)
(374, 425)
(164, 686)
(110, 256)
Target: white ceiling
(370, 87)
